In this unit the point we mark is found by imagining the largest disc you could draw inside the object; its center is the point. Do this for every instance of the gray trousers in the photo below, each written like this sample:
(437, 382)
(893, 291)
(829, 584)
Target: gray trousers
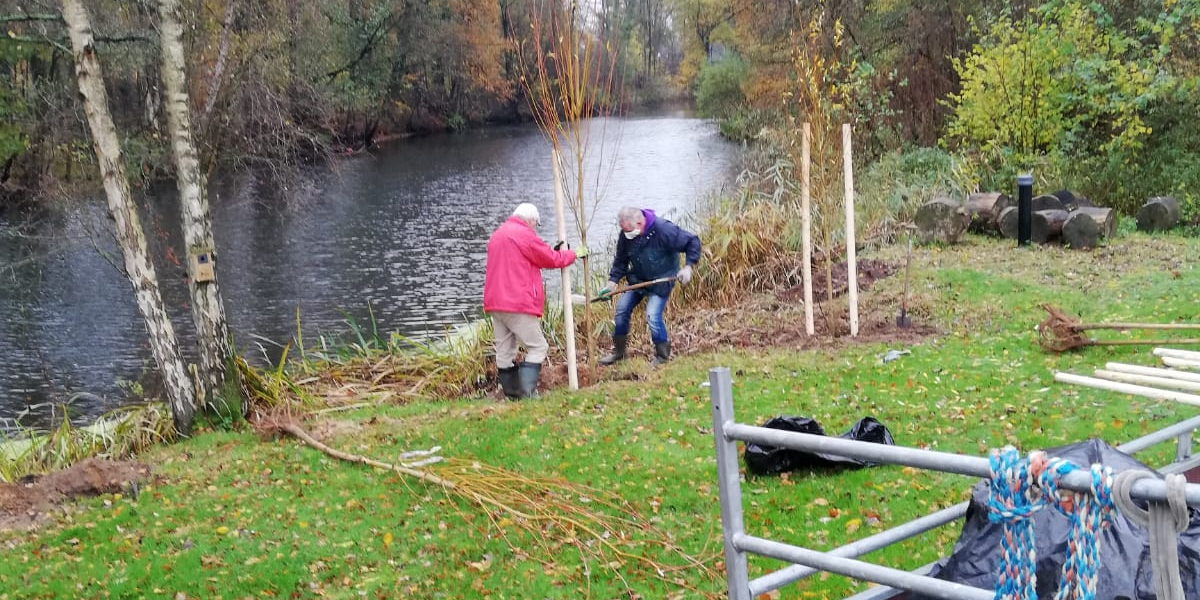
(513, 328)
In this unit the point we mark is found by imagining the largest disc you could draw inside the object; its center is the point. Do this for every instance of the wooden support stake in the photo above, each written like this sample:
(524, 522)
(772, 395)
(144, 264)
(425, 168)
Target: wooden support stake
(806, 223)
(1176, 353)
(1125, 388)
(851, 262)
(1162, 382)
(1153, 371)
(568, 307)
(1171, 361)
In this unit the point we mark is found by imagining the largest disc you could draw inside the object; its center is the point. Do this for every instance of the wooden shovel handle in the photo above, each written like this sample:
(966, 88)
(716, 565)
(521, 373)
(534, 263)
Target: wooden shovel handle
(626, 288)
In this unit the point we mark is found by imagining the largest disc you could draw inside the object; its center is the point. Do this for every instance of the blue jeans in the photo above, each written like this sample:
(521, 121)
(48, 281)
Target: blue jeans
(654, 311)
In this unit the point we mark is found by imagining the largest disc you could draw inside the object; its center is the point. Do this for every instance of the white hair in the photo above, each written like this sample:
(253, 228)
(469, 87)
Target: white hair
(528, 212)
(628, 215)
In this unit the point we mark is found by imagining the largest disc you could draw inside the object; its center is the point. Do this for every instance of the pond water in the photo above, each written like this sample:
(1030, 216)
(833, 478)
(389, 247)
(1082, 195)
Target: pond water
(394, 237)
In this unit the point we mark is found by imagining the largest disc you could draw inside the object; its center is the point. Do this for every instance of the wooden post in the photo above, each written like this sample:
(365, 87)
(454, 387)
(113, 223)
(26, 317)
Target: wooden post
(851, 261)
(568, 307)
(806, 224)
(1126, 388)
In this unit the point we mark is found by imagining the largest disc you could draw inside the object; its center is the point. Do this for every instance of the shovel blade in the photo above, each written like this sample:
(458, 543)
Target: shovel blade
(903, 321)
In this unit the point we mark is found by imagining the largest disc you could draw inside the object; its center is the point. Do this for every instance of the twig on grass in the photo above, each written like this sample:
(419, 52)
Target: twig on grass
(542, 507)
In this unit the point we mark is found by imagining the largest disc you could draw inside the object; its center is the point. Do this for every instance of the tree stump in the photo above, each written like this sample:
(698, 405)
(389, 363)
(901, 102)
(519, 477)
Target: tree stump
(1158, 214)
(1088, 225)
(1047, 202)
(1008, 222)
(941, 220)
(1047, 225)
(984, 211)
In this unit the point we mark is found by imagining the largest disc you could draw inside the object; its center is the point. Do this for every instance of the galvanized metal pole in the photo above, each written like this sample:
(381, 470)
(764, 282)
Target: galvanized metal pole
(975, 466)
(786, 575)
(864, 571)
(729, 487)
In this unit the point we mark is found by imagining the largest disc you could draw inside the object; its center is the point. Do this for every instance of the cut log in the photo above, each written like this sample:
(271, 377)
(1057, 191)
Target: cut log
(1071, 201)
(1088, 225)
(941, 220)
(1047, 225)
(984, 211)
(1158, 214)
(1047, 202)
(1008, 222)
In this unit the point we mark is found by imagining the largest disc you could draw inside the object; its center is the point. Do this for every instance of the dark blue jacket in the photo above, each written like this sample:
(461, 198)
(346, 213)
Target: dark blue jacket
(654, 254)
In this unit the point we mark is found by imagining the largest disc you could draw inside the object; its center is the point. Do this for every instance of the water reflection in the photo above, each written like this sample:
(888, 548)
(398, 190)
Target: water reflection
(399, 234)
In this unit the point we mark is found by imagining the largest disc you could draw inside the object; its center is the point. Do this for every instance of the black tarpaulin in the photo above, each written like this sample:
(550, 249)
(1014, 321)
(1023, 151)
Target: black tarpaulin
(1124, 572)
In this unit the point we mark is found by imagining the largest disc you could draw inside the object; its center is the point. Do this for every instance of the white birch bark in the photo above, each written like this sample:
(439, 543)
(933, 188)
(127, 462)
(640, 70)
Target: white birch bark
(208, 310)
(138, 267)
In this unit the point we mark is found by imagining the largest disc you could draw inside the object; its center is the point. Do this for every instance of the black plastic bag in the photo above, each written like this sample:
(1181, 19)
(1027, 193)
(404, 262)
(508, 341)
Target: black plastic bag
(769, 460)
(1124, 573)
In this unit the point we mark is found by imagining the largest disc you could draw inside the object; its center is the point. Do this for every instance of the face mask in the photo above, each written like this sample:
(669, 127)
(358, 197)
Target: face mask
(629, 235)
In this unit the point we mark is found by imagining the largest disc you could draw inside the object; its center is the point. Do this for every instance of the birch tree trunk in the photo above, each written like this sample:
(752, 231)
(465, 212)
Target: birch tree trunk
(138, 268)
(208, 311)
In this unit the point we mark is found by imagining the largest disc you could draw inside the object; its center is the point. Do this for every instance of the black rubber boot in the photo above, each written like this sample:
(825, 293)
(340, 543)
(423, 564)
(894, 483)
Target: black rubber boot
(510, 381)
(662, 352)
(618, 352)
(529, 374)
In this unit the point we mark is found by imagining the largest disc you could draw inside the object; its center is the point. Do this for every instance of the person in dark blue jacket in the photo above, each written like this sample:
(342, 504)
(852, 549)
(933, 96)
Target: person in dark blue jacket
(648, 249)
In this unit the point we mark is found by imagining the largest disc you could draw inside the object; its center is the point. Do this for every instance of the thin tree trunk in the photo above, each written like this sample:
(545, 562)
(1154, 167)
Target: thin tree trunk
(218, 73)
(208, 311)
(139, 269)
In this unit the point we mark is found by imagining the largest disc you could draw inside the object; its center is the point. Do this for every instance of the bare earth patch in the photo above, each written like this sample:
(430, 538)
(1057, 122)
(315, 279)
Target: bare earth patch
(774, 320)
(22, 505)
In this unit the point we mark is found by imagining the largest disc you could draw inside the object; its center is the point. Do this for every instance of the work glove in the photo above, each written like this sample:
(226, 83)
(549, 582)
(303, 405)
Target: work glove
(607, 291)
(685, 275)
(581, 251)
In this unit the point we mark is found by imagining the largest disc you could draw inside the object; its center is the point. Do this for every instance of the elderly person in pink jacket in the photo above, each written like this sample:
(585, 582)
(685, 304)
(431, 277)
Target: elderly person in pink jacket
(514, 296)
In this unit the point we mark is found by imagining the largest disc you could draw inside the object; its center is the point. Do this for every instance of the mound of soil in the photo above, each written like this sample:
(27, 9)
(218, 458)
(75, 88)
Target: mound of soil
(765, 321)
(22, 505)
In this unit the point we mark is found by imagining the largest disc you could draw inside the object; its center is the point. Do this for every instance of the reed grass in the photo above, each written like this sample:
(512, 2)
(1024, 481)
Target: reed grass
(118, 434)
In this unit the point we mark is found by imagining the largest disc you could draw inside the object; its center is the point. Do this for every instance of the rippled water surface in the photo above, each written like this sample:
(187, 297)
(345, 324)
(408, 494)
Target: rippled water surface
(399, 234)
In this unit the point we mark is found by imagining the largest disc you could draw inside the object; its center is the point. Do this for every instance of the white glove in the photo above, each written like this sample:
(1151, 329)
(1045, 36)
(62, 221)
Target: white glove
(685, 275)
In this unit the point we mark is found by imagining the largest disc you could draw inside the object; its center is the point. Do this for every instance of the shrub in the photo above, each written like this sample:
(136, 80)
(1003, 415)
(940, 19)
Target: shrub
(1058, 84)
(719, 87)
(900, 181)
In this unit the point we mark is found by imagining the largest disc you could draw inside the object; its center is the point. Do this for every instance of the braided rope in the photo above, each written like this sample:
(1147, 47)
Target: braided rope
(1088, 515)
(1164, 522)
(1012, 503)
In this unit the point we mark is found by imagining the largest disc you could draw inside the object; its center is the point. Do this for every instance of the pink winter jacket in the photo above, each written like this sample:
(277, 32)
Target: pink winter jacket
(512, 281)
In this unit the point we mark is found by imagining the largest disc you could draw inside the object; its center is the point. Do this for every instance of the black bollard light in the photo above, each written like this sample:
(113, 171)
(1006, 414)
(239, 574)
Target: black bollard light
(1024, 209)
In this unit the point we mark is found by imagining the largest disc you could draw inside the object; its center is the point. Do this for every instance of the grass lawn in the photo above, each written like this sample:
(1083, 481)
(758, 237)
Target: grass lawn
(610, 492)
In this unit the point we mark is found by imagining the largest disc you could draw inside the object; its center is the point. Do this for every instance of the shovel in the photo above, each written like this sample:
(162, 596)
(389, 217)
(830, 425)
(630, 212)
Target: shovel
(626, 288)
(902, 319)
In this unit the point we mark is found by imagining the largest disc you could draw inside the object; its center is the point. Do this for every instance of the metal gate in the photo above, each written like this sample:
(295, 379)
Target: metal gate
(843, 560)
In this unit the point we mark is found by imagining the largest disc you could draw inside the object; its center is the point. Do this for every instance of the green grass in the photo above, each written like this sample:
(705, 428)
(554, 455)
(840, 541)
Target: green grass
(232, 515)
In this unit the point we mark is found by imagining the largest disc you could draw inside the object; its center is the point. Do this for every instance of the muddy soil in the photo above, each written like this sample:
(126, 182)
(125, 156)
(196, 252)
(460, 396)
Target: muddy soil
(768, 321)
(24, 504)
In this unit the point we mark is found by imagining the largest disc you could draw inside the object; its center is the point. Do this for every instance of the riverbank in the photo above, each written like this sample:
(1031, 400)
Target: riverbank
(610, 491)
(393, 240)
